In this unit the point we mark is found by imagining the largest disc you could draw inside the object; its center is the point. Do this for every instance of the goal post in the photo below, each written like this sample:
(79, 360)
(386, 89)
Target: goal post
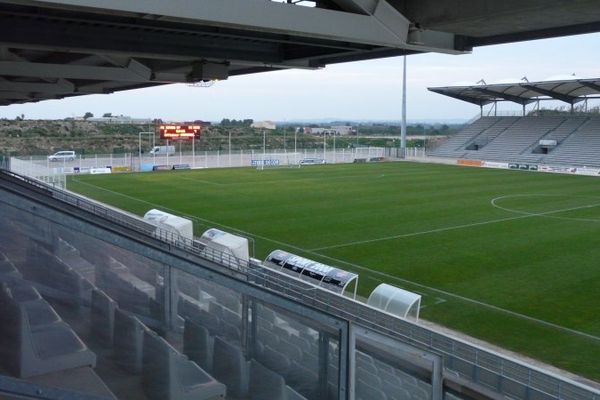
(275, 160)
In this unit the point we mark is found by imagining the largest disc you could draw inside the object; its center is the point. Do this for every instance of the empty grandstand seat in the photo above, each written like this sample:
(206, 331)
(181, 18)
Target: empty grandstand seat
(291, 394)
(266, 384)
(274, 360)
(102, 317)
(364, 391)
(71, 257)
(230, 332)
(288, 348)
(36, 342)
(394, 392)
(39, 313)
(230, 367)
(194, 311)
(302, 379)
(128, 341)
(168, 375)
(67, 285)
(131, 292)
(198, 344)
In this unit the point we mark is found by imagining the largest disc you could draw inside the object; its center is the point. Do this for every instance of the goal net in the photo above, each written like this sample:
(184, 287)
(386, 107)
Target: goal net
(369, 152)
(275, 160)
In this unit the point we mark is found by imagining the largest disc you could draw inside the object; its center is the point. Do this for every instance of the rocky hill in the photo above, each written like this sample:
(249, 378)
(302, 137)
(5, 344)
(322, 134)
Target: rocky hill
(43, 137)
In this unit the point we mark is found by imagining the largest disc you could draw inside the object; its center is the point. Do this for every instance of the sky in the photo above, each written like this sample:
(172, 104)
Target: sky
(366, 90)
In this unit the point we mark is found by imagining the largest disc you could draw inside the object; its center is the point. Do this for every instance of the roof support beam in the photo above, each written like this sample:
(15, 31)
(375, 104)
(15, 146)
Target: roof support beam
(515, 99)
(134, 72)
(61, 86)
(126, 41)
(458, 96)
(259, 15)
(553, 94)
(14, 95)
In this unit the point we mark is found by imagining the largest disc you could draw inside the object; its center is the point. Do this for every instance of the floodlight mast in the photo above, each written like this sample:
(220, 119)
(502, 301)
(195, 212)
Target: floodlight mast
(403, 126)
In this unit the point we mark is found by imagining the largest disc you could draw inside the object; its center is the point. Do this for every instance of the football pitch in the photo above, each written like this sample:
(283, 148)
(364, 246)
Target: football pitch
(509, 257)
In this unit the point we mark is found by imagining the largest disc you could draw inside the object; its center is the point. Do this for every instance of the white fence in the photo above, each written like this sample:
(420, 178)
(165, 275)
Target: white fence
(53, 172)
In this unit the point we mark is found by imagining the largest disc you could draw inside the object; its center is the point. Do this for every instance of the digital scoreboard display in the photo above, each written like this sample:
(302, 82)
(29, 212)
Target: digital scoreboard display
(176, 131)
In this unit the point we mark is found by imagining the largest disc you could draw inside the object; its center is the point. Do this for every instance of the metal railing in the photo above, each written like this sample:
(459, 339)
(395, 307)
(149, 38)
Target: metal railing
(453, 351)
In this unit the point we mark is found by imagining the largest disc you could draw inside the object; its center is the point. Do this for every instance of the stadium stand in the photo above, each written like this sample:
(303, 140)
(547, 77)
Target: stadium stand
(155, 320)
(456, 144)
(569, 139)
(516, 139)
(580, 148)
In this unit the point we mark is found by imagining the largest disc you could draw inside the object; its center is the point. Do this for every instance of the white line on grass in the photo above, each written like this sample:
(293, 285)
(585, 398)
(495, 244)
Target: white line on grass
(496, 199)
(312, 178)
(367, 269)
(462, 298)
(523, 215)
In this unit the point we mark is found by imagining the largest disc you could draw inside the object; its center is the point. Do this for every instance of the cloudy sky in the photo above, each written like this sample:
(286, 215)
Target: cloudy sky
(368, 90)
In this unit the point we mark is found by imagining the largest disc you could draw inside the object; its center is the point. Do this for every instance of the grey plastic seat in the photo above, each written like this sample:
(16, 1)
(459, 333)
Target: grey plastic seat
(169, 375)
(395, 392)
(231, 367)
(128, 341)
(198, 344)
(195, 313)
(40, 314)
(364, 391)
(265, 384)
(291, 394)
(102, 317)
(47, 348)
(274, 360)
(37, 310)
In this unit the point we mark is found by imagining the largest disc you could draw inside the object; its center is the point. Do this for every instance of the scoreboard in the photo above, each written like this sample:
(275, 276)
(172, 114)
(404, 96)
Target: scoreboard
(176, 131)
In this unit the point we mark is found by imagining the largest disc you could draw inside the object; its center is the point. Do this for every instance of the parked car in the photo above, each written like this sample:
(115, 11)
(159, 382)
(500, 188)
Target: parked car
(312, 161)
(68, 155)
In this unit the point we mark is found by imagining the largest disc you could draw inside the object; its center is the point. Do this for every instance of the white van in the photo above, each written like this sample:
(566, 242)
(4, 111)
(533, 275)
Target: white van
(162, 150)
(68, 155)
(312, 161)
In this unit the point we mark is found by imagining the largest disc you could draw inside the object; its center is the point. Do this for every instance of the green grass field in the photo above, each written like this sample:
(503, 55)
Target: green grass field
(510, 257)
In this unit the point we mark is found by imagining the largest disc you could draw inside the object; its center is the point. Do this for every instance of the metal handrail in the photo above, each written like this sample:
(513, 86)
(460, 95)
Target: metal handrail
(448, 347)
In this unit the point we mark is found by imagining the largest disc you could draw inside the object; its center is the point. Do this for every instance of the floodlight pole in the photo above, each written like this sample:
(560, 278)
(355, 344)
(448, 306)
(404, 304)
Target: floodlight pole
(140, 151)
(403, 126)
(140, 146)
(334, 147)
(296, 146)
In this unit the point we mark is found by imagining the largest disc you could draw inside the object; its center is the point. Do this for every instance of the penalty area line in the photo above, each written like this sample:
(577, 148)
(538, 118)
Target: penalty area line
(522, 215)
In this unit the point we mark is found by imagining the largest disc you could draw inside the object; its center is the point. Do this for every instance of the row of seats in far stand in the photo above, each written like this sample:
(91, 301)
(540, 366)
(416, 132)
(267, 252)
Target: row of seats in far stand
(216, 318)
(226, 362)
(165, 373)
(58, 281)
(35, 340)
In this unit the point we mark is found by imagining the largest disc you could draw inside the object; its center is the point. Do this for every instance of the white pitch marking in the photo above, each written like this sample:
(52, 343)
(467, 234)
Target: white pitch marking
(494, 204)
(523, 215)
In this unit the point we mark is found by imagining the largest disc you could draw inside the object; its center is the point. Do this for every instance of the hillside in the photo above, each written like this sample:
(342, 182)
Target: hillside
(43, 137)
